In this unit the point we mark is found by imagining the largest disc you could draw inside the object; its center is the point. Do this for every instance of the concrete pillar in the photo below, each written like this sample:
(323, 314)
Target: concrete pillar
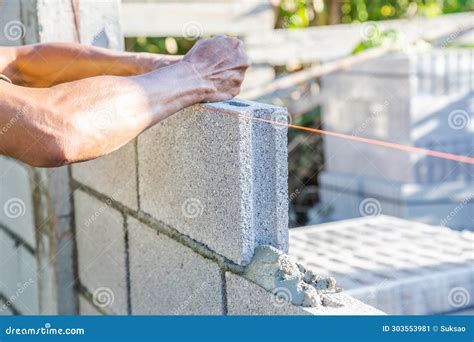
(421, 99)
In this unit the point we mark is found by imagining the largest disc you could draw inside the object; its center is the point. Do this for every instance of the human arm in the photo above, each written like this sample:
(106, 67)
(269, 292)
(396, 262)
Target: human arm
(46, 65)
(86, 119)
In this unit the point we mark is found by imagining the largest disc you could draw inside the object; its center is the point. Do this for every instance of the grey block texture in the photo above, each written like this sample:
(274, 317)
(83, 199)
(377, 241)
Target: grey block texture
(227, 172)
(16, 199)
(100, 235)
(400, 267)
(114, 175)
(246, 298)
(450, 203)
(87, 309)
(18, 276)
(168, 278)
(5, 309)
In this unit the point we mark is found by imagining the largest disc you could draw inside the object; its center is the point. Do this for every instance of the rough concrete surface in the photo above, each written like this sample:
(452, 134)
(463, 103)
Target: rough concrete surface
(247, 298)
(101, 251)
(16, 199)
(400, 267)
(114, 175)
(87, 309)
(18, 276)
(278, 273)
(168, 278)
(226, 172)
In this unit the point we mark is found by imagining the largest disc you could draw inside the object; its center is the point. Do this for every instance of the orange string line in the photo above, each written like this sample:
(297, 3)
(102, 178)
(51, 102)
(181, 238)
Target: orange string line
(455, 157)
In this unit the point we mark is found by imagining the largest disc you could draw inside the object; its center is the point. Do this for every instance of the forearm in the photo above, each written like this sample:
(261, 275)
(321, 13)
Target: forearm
(89, 118)
(45, 65)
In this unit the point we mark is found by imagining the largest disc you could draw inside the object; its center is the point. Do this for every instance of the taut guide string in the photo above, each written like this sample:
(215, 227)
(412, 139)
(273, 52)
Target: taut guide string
(412, 149)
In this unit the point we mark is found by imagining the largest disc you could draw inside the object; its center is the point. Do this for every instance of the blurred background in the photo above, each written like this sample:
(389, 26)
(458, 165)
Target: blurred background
(303, 50)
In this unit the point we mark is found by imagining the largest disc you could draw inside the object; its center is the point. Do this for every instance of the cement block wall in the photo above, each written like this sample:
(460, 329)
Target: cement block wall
(199, 193)
(166, 224)
(37, 270)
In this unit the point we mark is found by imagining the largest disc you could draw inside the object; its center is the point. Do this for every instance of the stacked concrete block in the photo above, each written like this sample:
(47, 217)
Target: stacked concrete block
(88, 309)
(397, 266)
(448, 204)
(169, 278)
(421, 99)
(247, 298)
(114, 175)
(217, 174)
(18, 269)
(100, 236)
(18, 276)
(16, 199)
(35, 204)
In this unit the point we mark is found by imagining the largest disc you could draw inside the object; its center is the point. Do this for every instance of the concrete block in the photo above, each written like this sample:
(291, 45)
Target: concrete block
(247, 298)
(5, 309)
(113, 175)
(100, 235)
(16, 199)
(18, 276)
(398, 266)
(216, 174)
(168, 278)
(450, 203)
(87, 309)
(421, 99)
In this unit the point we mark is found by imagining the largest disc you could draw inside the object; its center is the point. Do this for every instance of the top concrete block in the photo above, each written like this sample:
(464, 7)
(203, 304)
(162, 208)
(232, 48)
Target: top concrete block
(219, 175)
(114, 175)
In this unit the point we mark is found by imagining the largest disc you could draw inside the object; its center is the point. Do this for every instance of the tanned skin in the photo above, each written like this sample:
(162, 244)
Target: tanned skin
(70, 103)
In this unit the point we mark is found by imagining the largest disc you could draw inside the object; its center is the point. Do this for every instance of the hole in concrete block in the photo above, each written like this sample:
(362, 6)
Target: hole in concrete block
(237, 104)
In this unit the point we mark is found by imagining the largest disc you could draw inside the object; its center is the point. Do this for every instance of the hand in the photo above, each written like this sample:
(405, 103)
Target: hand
(220, 63)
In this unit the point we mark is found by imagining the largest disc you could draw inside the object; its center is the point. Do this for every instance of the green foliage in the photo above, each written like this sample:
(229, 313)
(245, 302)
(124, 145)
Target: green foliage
(303, 13)
(377, 38)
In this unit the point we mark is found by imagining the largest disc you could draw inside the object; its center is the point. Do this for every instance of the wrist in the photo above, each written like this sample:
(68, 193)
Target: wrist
(203, 87)
(148, 62)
